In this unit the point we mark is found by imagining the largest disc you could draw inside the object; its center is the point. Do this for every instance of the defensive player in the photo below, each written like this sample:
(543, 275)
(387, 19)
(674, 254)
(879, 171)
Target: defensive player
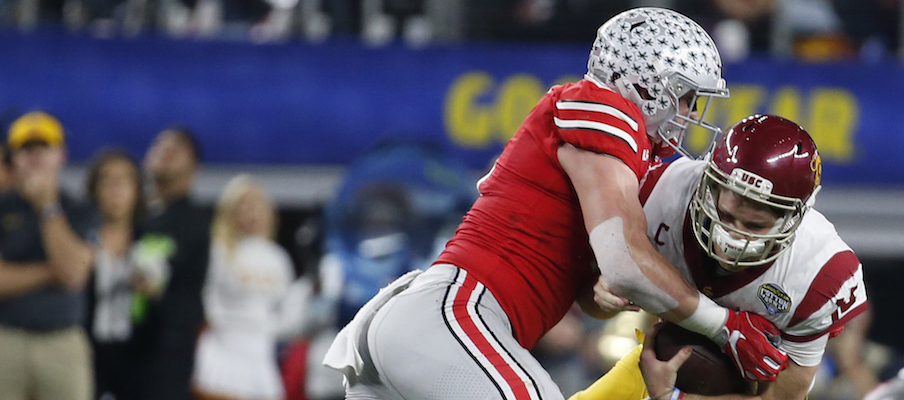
(740, 227)
(564, 189)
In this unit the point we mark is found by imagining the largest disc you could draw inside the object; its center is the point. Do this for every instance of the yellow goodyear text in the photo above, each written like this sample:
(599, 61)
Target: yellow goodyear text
(830, 115)
(481, 111)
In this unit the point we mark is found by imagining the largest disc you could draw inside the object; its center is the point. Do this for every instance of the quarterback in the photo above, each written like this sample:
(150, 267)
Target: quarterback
(563, 194)
(742, 230)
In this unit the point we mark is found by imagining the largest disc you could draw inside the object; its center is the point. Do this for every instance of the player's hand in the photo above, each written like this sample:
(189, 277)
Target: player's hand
(610, 302)
(660, 376)
(750, 340)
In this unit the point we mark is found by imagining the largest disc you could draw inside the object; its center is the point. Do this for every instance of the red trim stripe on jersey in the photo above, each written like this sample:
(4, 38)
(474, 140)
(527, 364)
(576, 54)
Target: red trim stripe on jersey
(596, 117)
(470, 330)
(836, 326)
(841, 267)
(597, 107)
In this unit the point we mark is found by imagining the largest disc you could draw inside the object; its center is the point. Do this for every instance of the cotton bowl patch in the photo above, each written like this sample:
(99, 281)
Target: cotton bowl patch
(774, 298)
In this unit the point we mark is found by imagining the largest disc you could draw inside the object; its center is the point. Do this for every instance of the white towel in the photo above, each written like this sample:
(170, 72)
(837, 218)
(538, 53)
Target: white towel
(343, 354)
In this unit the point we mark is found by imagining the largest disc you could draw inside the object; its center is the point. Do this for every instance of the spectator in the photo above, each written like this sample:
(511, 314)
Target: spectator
(43, 272)
(6, 173)
(394, 211)
(114, 186)
(171, 260)
(739, 27)
(245, 299)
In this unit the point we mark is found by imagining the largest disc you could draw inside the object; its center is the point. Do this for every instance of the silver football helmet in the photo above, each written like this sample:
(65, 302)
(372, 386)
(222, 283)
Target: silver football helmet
(654, 57)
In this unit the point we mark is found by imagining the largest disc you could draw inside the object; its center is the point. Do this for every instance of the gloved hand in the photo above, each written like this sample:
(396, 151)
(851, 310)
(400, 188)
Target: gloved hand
(750, 340)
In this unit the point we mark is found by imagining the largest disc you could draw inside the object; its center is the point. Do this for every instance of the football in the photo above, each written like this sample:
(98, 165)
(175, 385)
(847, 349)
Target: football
(708, 371)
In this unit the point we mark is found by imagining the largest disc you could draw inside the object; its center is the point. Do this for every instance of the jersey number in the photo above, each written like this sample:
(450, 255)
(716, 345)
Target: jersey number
(844, 306)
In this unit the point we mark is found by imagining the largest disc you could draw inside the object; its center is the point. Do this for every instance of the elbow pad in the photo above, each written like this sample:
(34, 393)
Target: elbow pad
(622, 273)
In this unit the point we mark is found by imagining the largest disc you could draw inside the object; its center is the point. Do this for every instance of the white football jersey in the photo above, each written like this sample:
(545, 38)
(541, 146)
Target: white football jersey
(809, 292)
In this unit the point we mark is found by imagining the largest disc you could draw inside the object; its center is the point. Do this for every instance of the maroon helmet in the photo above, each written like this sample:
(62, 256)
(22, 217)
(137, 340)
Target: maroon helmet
(769, 160)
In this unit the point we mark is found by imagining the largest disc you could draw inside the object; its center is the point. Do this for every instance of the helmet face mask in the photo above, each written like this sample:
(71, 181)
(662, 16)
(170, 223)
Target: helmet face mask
(654, 57)
(770, 164)
(734, 247)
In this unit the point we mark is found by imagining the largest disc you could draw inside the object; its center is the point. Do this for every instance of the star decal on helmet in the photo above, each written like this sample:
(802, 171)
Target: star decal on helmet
(663, 102)
(655, 90)
(636, 68)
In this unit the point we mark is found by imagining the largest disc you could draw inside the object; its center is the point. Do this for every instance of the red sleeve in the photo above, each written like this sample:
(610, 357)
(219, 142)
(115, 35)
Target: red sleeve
(602, 121)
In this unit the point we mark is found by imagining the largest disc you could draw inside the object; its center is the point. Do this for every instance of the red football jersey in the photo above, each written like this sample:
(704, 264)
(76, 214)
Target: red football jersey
(524, 237)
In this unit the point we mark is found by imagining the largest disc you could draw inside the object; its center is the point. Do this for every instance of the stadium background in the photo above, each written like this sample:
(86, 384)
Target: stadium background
(297, 110)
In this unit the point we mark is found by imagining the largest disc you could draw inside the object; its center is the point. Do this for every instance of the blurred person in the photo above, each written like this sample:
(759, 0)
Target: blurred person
(247, 300)
(391, 215)
(115, 187)
(171, 257)
(45, 266)
(740, 226)
(892, 389)
(565, 188)
(873, 26)
(395, 209)
(852, 371)
(538, 20)
(6, 173)
(561, 352)
(738, 27)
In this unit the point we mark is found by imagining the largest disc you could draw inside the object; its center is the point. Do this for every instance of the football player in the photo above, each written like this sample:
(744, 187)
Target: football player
(563, 193)
(743, 232)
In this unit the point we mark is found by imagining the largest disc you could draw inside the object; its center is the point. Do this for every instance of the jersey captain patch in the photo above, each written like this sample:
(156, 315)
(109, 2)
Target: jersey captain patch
(774, 298)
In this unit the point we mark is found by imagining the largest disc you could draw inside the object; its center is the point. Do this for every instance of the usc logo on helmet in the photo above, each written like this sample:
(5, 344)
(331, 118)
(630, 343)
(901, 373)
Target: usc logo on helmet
(816, 166)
